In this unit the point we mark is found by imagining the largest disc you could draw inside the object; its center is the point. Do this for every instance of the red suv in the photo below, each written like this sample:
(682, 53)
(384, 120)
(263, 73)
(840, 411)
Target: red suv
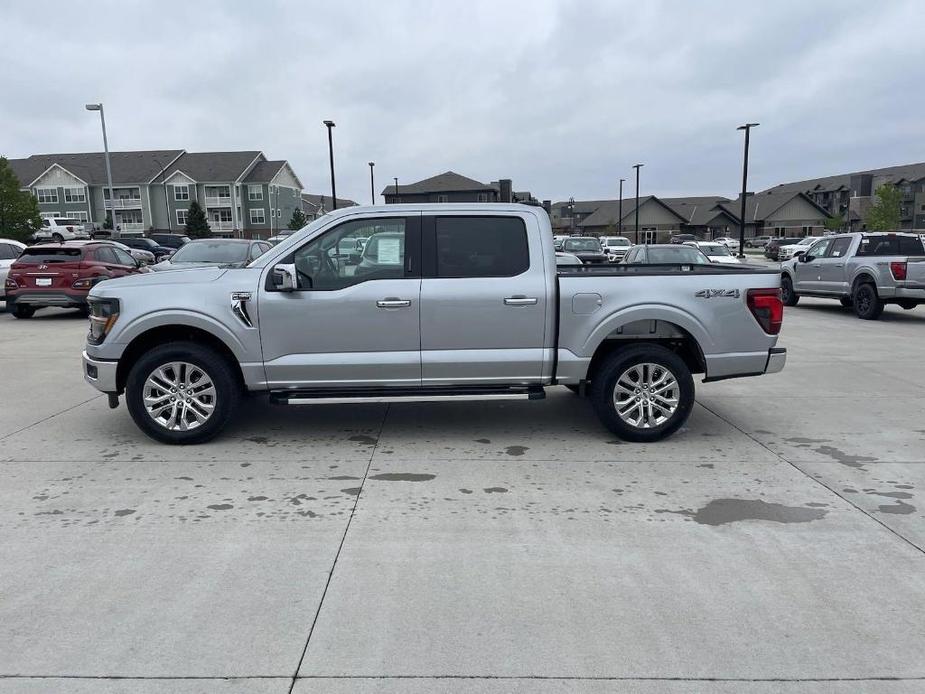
(62, 274)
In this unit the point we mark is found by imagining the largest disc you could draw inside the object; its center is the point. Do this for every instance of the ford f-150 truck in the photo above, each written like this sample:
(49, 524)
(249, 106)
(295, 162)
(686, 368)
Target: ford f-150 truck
(865, 271)
(445, 301)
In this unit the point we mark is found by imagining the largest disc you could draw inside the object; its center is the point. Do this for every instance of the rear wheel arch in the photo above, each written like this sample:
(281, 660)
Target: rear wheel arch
(667, 334)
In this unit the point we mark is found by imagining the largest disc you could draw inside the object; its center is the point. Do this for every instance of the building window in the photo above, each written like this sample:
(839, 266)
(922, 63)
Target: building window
(181, 217)
(807, 230)
(46, 195)
(483, 197)
(181, 193)
(255, 192)
(279, 214)
(50, 215)
(443, 198)
(75, 195)
(80, 216)
(222, 214)
(258, 216)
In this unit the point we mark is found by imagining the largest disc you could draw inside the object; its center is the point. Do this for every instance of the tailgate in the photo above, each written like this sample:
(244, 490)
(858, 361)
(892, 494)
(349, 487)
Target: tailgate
(915, 273)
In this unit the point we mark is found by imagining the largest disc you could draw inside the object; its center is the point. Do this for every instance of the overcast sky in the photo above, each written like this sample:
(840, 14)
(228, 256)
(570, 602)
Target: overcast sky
(562, 97)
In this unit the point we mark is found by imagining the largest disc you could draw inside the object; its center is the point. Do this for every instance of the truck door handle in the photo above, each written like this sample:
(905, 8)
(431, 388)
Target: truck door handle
(840, 265)
(393, 303)
(520, 301)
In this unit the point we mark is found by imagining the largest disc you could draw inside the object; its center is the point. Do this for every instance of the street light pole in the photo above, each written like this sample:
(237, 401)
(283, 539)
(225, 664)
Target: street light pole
(747, 128)
(637, 167)
(163, 178)
(112, 197)
(620, 212)
(372, 184)
(330, 126)
(396, 187)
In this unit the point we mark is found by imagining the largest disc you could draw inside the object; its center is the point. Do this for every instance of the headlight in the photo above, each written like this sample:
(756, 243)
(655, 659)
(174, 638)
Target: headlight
(103, 315)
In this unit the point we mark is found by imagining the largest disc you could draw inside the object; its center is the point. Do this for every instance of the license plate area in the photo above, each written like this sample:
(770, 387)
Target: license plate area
(43, 281)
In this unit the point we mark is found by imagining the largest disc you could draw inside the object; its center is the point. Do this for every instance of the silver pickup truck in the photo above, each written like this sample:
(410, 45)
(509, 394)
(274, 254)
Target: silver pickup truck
(444, 301)
(864, 271)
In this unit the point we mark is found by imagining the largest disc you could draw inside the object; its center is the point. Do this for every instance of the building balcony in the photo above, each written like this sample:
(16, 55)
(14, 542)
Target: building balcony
(130, 226)
(221, 226)
(123, 204)
(218, 201)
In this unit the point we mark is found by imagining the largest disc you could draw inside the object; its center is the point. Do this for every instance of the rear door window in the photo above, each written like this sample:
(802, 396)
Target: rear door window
(840, 247)
(910, 246)
(481, 247)
(8, 252)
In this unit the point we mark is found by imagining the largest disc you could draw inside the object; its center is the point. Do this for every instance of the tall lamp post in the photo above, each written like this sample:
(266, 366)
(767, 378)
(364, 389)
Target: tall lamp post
(747, 128)
(162, 176)
(330, 126)
(395, 178)
(571, 215)
(112, 197)
(637, 167)
(372, 184)
(620, 211)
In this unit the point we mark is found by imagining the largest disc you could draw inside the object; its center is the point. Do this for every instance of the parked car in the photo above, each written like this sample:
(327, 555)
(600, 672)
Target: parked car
(174, 241)
(757, 241)
(682, 238)
(715, 252)
(214, 252)
(558, 240)
(281, 236)
(665, 253)
(729, 242)
(567, 259)
(60, 229)
(62, 275)
(792, 250)
(865, 271)
(9, 252)
(615, 247)
(484, 312)
(772, 249)
(144, 243)
(587, 248)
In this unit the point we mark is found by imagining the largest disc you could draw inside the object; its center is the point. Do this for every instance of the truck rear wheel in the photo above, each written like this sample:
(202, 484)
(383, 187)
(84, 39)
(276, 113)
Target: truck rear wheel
(181, 393)
(867, 304)
(643, 393)
(787, 295)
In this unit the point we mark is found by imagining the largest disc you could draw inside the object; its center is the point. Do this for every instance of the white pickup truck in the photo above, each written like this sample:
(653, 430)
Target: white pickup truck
(445, 301)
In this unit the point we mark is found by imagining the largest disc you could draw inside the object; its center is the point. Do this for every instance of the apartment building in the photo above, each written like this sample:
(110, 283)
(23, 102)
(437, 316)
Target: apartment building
(453, 187)
(242, 193)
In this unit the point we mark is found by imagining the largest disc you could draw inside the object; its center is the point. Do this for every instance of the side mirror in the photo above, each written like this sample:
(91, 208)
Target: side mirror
(803, 258)
(284, 278)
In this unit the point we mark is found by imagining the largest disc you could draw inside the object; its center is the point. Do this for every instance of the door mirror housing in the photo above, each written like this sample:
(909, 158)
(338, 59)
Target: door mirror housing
(804, 258)
(284, 277)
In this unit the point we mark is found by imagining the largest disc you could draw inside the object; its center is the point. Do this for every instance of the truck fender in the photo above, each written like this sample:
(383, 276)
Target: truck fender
(649, 312)
(185, 318)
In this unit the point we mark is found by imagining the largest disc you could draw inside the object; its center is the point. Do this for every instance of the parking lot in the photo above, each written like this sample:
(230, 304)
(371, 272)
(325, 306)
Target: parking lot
(774, 545)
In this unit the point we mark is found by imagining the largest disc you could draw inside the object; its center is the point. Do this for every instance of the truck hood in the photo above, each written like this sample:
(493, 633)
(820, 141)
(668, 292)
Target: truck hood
(155, 279)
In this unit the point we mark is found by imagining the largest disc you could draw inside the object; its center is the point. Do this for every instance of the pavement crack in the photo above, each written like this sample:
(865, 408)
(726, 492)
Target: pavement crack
(51, 416)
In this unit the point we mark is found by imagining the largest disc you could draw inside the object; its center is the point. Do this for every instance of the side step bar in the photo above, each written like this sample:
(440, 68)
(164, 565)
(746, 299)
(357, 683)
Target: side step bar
(333, 396)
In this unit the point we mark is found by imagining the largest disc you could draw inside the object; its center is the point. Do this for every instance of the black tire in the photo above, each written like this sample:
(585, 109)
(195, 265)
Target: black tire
(84, 311)
(213, 364)
(20, 311)
(787, 295)
(57, 238)
(867, 305)
(907, 305)
(616, 366)
(846, 301)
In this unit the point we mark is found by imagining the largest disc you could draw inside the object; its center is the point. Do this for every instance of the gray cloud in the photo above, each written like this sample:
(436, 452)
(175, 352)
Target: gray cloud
(561, 96)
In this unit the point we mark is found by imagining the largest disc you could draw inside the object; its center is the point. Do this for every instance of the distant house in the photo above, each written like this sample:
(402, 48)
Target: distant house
(778, 213)
(314, 206)
(242, 193)
(453, 187)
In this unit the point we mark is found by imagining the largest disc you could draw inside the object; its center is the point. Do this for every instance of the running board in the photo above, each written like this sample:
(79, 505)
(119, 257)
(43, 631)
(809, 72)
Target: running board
(332, 396)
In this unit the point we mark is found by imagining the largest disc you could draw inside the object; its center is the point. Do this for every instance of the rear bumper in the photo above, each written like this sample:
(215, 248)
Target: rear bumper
(777, 358)
(100, 374)
(40, 299)
(742, 364)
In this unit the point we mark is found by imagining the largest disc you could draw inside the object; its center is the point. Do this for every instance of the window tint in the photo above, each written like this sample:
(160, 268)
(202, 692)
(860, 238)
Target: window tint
(890, 245)
(481, 247)
(320, 264)
(123, 258)
(106, 255)
(8, 252)
(50, 255)
(840, 247)
(910, 246)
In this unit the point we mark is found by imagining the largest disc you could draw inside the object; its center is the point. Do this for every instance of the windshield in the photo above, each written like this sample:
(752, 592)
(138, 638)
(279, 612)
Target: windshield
(676, 254)
(50, 255)
(714, 249)
(140, 243)
(592, 245)
(617, 241)
(211, 252)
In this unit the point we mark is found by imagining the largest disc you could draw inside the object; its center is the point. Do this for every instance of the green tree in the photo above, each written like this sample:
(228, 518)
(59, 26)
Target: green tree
(19, 210)
(107, 223)
(197, 226)
(885, 215)
(298, 220)
(835, 223)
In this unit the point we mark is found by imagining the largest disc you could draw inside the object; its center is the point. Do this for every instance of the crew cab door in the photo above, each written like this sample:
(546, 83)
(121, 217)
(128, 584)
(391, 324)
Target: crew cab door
(347, 322)
(483, 300)
(834, 271)
(809, 274)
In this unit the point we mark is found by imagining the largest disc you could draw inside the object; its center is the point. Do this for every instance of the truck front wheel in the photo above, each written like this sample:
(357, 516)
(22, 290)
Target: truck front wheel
(181, 393)
(643, 393)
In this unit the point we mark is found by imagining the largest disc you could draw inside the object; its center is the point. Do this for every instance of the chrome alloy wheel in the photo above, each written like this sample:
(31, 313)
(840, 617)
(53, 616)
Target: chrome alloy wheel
(646, 395)
(179, 396)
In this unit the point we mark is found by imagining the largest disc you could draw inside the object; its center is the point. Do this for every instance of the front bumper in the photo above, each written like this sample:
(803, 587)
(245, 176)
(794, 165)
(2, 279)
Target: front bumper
(100, 374)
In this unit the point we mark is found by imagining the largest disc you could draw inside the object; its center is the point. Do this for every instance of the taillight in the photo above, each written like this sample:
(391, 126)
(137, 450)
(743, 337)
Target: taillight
(898, 269)
(86, 283)
(10, 284)
(767, 308)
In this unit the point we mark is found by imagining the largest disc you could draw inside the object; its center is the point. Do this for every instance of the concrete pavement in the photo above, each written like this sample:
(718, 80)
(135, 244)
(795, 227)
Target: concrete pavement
(774, 545)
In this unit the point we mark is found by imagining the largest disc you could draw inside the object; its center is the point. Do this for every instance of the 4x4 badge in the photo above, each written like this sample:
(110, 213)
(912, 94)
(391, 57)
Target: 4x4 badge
(710, 293)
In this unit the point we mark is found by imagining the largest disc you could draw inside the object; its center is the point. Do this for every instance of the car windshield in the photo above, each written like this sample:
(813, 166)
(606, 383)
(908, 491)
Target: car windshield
(211, 252)
(676, 254)
(140, 243)
(50, 255)
(808, 241)
(617, 241)
(714, 249)
(592, 245)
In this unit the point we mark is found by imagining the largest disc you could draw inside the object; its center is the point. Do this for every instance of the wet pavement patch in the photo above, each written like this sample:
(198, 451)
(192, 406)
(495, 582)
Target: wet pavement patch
(368, 440)
(893, 495)
(402, 477)
(845, 458)
(220, 507)
(723, 511)
(483, 440)
(516, 450)
(352, 491)
(125, 512)
(900, 508)
(343, 477)
(495, 490)
(466, 491)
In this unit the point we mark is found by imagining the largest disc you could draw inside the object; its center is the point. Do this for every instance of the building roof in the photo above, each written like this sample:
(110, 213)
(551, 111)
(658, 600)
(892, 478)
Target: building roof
(696, 211)
(127, 167)
(213, 167)
(315, 200)
(760, 205)
(582, 206)
(264, 171)
(446, 182)
(912, 172)
(609, 212)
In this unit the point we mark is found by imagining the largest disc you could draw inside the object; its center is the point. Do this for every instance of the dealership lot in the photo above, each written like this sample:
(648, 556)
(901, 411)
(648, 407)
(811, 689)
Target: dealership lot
(774, 544)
